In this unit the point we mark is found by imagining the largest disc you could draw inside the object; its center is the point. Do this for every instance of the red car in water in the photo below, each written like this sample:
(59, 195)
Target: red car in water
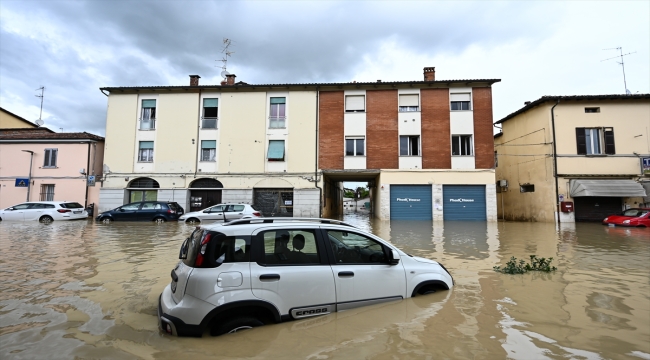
(631, 217)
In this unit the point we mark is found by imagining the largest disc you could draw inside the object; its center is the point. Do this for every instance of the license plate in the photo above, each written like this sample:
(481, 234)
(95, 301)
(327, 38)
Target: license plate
(611, 225)
(77, 212)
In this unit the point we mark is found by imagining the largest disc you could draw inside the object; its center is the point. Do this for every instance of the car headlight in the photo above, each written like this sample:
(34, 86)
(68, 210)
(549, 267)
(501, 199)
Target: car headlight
(626, 222)
(605, 219)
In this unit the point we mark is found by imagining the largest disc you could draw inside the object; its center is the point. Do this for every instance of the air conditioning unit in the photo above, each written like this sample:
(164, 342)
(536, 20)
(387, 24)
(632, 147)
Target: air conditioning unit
(503, 183)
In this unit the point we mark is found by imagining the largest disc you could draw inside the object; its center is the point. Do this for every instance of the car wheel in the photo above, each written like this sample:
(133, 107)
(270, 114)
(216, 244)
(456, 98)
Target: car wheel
(235, 325)
(192, 221)
(106, 220)
(426, 290)
(45, 219)
(159, 220)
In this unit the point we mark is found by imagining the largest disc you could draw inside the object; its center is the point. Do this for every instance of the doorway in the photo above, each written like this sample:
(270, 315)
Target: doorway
(203, 194)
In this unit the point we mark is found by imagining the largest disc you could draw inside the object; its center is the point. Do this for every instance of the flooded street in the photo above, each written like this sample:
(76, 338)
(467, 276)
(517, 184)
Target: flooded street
(86, 290)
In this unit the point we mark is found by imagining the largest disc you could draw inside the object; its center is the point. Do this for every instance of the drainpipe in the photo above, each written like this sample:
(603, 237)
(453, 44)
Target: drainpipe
(87, 172)
(557, 194)
(198, 130)
(320, 191)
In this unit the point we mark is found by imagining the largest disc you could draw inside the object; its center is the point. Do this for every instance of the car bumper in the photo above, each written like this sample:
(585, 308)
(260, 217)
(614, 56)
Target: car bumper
(82, 216)
(622, 225)
(171, 316)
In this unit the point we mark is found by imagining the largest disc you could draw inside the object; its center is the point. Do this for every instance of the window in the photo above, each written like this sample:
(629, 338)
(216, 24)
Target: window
(461, 145)
(21, 206)
(355, 103)
(496, 159)
(592, 109)
(210, 113)
(50, 158)
(460, 101)
(526, 188)
(44, 206)
(592, 141)
(355, 146)
(47, 192)
(148, 116)
(290, 247)
(277, 115)
(146, 151)
(143, 195)
(409, 145)
(208, 150)
(131, 207)
(409, 102)
(276, 150)
(351, 248)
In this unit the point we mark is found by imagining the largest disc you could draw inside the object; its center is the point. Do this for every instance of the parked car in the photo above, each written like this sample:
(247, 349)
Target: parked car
(158, 211)
(44, 211)
(638, 217)
(221, 213)
(246, 273)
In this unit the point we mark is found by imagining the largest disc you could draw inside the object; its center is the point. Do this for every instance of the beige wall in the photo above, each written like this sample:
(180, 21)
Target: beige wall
(301, 150)
(9, 121)
(177, 118)
(120, 133)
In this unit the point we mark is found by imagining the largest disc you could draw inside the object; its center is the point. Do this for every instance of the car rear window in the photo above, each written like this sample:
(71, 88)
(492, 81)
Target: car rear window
(71, 205)
(173, 206)
(220, 249)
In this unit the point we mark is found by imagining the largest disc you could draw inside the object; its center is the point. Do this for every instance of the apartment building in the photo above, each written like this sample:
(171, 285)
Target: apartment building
(574, 158)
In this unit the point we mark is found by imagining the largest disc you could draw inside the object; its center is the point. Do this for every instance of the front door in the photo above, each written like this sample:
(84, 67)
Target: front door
(201, 199)
(127, 212)
(18, 212)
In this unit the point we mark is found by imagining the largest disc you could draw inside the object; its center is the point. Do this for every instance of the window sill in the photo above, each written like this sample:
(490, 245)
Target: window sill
(203, 128)
(355, 156)
(145, 162)
(410, 156)
(354, 111)
(277, 128)
(272, 160)
(460, 110)
(462, 155)
(146, 129)
(597, 155)
(403, 111)
(49, 167)
(208, 161)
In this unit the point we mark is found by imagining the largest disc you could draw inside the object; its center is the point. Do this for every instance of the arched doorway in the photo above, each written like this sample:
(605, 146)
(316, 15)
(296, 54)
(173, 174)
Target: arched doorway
(143, 189)
(203, 193)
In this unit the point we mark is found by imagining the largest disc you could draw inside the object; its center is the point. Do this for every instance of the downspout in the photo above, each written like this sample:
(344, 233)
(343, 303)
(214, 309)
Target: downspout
(320, 191)
(87, 172)
(557, 193)
(198, 129)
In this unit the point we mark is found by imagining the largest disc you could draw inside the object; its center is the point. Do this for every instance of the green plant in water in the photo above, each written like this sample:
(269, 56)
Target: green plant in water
(520, 267)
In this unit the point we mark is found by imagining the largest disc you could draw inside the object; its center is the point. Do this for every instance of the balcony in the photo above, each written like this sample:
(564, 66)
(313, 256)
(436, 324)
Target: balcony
(147, 124)
(277, 122)
(209, 122)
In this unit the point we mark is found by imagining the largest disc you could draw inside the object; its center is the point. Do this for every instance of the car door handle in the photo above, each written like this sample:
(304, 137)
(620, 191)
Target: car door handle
(346, 274)
(270, 277)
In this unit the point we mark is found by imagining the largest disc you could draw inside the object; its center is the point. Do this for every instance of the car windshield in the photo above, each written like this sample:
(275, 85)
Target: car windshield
(635, 212)
(71, 205)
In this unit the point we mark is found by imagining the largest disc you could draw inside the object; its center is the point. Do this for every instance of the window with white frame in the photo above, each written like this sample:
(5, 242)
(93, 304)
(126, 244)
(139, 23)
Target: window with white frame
(461, 145)
(409, 145)
(277, 113)
(148, 114)
(145, 153)
(355, 103)
(47, 192)
(460, 101)
(50, 158)
(276, 150)
(409, 102)
(595, 141)
(355, 146)
(208, 150)
(210, 113)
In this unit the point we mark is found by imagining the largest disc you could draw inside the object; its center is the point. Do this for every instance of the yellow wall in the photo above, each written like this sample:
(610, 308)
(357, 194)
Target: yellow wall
(9, 121)
(301, 150)
(121, 118)
(177, 120)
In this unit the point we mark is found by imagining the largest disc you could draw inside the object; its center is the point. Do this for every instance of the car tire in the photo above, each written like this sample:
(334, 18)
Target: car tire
(235, 325)
(192, 221)
(106, 220)
(45, 219)
(426, 290)
(159, 220)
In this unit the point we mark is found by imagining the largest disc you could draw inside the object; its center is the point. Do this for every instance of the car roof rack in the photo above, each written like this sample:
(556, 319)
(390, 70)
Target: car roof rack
(285, 219)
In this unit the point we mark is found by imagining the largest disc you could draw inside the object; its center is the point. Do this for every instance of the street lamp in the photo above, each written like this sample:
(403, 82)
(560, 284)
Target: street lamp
(29, 183)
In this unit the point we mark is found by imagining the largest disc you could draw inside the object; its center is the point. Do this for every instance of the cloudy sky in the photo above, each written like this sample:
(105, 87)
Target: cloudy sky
(536, 47)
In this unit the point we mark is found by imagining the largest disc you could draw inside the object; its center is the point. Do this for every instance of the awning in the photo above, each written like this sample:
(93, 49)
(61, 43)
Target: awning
(607, 188)
(646, 186)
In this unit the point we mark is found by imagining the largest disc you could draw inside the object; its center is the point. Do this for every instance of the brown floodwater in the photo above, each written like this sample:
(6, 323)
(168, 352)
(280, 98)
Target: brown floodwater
(85, 290)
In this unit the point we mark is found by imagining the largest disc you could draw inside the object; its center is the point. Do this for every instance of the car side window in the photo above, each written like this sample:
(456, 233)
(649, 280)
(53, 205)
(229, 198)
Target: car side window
(22, 206)
(352, 248)
(158, 207)
(290, 247)
(216, 209)
(148, 206)
(134, 206)
(237, 208)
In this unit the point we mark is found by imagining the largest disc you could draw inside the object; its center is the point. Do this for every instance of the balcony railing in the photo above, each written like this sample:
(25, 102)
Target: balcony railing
(209, 123)
(148, 124)
(277, 122)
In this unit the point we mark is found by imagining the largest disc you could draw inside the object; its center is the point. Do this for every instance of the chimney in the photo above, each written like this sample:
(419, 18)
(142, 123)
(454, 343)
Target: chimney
(194, 80)
(230, 79)
(429, 74)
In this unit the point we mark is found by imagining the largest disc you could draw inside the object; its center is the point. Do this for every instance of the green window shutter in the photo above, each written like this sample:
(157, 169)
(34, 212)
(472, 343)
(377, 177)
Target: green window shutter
(146, 144)
(148, 103)
(276, 150)
(210, 102)
(278, 100)
(208, 144)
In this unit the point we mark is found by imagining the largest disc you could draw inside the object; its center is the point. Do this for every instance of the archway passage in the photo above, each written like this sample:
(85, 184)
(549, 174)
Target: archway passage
(203, 193)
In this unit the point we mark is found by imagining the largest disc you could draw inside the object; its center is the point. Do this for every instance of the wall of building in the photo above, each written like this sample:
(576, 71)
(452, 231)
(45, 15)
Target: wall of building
(177, 117)
(121, 122)
(10, 121)
(382, 135)
(301, 128)
(436, 127)
(331, 107)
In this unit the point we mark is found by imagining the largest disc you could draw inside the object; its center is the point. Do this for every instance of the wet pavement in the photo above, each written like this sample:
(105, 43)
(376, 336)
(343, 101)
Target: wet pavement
(86, 290)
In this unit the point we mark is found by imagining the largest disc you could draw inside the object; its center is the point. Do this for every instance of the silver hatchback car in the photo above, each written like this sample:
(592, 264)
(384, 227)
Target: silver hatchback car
(221, 213)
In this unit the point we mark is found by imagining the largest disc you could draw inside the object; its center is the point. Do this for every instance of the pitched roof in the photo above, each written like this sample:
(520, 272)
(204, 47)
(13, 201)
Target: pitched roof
(45, 134)
(563, 98)
(19, 117)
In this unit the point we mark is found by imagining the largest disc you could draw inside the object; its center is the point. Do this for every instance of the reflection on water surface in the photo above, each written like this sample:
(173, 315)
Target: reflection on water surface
(87, 290)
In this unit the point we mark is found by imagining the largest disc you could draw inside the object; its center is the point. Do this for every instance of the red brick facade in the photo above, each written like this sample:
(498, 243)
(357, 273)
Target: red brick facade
(382, 134)
(436, 138)
(330, 130)
(483, 128)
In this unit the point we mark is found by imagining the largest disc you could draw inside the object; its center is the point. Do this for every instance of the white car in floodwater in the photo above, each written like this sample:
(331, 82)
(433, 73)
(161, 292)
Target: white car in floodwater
(44, 211)
(221, 213)
(248, 273)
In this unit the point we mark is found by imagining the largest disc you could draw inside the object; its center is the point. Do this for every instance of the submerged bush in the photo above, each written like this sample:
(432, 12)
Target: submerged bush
(520, 267)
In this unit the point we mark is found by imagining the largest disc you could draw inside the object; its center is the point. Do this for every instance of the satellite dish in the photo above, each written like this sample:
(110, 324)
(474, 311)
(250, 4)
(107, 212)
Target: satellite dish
(628, 92)
(107, 170)
(224, 73)
(39, 122)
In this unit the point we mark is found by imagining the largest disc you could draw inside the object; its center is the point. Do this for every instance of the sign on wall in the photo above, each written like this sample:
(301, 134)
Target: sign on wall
(91, 180)
(645, 166)
(22, 182)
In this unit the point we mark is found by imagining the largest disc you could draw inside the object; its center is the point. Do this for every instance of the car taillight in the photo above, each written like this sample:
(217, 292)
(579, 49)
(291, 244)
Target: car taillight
(204, 245)
(63, 210)
(257, 213)
(170, 211)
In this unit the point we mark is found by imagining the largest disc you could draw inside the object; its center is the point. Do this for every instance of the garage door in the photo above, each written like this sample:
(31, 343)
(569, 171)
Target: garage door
(464, 202)
(596, 208)
(410, 202)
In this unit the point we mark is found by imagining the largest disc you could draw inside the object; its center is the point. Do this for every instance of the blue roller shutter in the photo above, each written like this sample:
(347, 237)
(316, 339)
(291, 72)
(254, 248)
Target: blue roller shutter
(464, 202)
(410, 202)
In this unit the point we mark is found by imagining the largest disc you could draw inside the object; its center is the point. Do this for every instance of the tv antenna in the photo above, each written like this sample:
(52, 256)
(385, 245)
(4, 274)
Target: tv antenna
(227, 53)
(622, 63)
(40, 122)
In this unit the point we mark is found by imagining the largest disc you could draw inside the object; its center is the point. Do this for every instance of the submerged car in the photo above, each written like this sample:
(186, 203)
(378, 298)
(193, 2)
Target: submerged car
(44, 211)
(158, 211)
(221, 213)
(247, 273)
(637, 217)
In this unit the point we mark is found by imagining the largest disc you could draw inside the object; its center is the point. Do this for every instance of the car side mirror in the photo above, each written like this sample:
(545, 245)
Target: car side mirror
(122, 210)
(11, 209)
(394, 257)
